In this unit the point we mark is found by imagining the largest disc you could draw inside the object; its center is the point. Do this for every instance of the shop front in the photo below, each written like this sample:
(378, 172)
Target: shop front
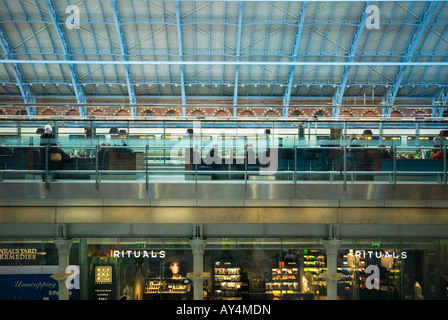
(30, 269)
(233, 269)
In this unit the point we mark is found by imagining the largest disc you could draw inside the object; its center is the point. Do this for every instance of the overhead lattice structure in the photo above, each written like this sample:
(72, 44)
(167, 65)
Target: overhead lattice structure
(285, 50)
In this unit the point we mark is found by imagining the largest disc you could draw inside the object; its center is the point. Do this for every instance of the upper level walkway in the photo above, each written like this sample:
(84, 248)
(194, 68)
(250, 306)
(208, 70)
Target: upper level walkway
(177, 173)
(232, 162)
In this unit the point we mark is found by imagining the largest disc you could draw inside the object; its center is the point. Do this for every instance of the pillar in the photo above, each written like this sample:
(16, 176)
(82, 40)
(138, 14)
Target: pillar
(64, 247)
(332, 276)
(198, 276)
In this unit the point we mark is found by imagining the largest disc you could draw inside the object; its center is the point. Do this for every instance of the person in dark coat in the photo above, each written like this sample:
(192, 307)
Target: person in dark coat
(48, 139)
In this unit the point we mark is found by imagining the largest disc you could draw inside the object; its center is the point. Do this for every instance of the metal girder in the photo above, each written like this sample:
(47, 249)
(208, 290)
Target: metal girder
(231, 63)
(238, 50)
(27, 93)
(124, 53)
(295, 49)
(79, 90)
(437, 112)
(440, 99)
(337, 99)
(181, 54)
(416, 35)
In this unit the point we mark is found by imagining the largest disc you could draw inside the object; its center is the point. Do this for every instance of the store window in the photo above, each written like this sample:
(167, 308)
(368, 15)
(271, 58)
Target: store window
(146, 269)
(265, 269)
(27, 268)
(270, 269)
(405, 269)
(238, 269)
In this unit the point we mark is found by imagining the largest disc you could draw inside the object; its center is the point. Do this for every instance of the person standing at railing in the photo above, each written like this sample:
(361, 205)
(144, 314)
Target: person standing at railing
(48, 139)
(355, 154)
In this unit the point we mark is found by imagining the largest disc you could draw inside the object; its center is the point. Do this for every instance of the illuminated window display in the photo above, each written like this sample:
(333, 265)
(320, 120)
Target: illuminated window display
(240, 269)
(153, 269)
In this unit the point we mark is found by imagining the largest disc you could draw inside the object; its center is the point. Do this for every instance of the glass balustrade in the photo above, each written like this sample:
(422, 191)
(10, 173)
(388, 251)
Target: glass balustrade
(225, 151)
(175, 163)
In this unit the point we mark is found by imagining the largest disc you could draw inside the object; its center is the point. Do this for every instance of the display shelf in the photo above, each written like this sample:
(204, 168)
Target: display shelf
(314, 265)
(284, 280)
(178, 285)
(228, 281)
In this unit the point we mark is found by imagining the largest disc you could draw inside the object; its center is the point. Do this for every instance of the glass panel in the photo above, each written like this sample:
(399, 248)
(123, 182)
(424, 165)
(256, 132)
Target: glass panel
(252, 150)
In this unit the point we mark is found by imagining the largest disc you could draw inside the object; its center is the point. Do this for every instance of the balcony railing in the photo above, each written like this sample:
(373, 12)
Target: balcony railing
(345, 164)
(288, 151)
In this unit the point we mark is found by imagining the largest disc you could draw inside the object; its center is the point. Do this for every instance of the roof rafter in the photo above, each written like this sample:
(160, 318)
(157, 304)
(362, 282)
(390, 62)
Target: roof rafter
(337, 99)
(27, 93)
(124, 53)
(79, 91)
(181, 52)
(414, 39)
(238, 50)
(295, 50)
(440, 99)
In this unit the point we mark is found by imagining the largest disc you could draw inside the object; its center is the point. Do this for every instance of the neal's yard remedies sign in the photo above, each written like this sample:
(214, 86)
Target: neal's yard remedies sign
(19, 254)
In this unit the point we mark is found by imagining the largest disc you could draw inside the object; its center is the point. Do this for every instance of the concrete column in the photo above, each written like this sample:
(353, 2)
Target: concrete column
(198, 276)
(64, 247)
(332, 276)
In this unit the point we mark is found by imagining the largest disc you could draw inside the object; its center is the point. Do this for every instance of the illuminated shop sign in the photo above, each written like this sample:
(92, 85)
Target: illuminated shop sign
(19, 254)
(138, 254)
(379, 254)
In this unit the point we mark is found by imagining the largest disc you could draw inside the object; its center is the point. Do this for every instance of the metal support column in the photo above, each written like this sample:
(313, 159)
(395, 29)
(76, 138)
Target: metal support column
(198, 276)
(64, 246)
(332, 276)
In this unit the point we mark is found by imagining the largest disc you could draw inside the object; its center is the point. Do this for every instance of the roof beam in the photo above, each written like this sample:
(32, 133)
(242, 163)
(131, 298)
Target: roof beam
(181, 53)
(79, 90)
(440, 99)
(27, 93)
(442, 96)
(124, 54)
(337, 99)
(295, 50)
(414, 39)
(230, 62)
(238, 50)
